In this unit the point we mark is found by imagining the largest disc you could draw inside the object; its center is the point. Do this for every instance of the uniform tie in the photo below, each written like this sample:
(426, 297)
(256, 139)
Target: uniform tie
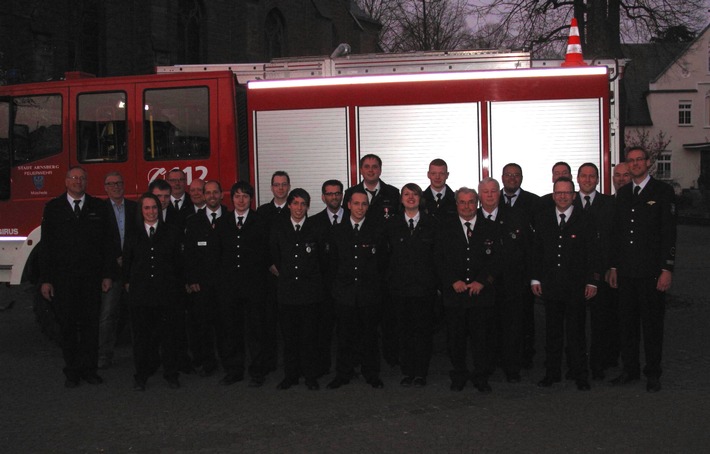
(356, 228)
(214, 219)
(151, 232)
(469, 232)
(335, 219)
(240, 224)
(77, 208)
(587, 202)
(438, 199)
(562, 221)
(411, 226)
(637, 189)
(177, 204)
(509, 199)
(372, 193)
(298, 228)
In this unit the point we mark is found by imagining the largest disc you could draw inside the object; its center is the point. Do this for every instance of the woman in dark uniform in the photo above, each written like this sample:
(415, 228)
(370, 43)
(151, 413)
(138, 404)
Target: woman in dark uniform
(151, 260)
(413, 280)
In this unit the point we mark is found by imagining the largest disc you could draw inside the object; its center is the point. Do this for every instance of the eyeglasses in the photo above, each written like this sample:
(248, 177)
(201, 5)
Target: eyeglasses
(513, 175)
(176, 180)
(77, 178)
(332, 194)
(114, 184)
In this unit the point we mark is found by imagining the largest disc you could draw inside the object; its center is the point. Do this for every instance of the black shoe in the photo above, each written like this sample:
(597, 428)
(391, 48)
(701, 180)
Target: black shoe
(256, 382)
(624, 379)
(173, 382)
(286, 383)
(93, 379)
(547, 381)
(598, 375)
(583, 384)
(231, 379)
(512, 378)
(419, 382)
(71, 383)
(484, 387)
(407, 381)
(138, 384)
(457, 385)
(337, 383)
(653, 385)
(312, 384)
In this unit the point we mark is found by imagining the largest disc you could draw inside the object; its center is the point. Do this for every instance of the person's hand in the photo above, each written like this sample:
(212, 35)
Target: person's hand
(664, 281)
(536, 289)
(47, 291)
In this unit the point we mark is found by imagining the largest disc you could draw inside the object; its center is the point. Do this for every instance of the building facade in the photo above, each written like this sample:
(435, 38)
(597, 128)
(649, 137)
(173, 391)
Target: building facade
(42, 39)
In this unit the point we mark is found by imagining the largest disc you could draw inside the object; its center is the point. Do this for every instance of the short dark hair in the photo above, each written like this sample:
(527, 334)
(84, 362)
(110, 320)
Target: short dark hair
(139, 216)
(159, 184)
(417, 190)
(331, 183)
(219, 185)
(439, 163)
(562, 163)
(637, 148)
(371, 156)
(280, 173)
(242, 186)
(564, 180)
(300, 193)
(589, 164)
(355, 190)
(512, 164)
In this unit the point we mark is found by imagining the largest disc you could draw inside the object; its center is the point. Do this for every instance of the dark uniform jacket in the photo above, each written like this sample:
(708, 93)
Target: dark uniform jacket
(601, 213)
(241, 254)
(525, 202)
(516, 237)
(153, 267)
(178, 217)
(200, 262)
(411, 264)
(645, 228)
(77, 247)
(297, 258)
(567, 259)
(357, 261)
(446, 209)
(475, 260)
(385, 204)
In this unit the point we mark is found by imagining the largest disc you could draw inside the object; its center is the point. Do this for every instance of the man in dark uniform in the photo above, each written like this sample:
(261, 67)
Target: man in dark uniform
(263, 340)
(202, 277)
(512, 284)
(438, 197)
(355, 253)
(642, 262)
(161, 189)
(324, 223)
(122, 218)
(465, 258)
(566, 275)
(77, 263)
(180, 204)
(295, 248)
(604, 350)
(559, 169)
(384, 202)
(240, 248)
(525, 205)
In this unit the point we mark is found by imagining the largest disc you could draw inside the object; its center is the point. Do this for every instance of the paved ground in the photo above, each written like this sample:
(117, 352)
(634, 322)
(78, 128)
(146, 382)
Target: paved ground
(39, 415)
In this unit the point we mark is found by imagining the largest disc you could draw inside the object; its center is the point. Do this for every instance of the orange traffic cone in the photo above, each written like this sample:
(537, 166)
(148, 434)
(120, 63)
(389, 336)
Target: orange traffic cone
(574, 47)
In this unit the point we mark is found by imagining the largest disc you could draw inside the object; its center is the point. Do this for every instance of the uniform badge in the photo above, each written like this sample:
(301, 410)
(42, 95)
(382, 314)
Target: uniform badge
(308, 249)
(673, 209)
(387, 213)
(651, 202)
(374, 249)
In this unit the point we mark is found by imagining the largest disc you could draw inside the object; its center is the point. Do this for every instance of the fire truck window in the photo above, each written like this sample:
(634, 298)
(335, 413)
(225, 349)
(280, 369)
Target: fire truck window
(37, 130)
(176, 123)
(102, 134)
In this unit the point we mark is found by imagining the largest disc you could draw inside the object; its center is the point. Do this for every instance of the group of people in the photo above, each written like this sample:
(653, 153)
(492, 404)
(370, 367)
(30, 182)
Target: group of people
(376, 269)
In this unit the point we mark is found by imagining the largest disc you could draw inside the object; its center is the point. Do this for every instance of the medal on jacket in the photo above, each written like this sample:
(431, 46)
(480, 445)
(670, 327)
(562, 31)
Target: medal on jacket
(387, 213)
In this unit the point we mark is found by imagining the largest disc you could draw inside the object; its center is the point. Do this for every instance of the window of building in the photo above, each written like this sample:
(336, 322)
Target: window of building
(37, 130)
(684, 113)
(101, 130)
(176, 123)
(663, 166)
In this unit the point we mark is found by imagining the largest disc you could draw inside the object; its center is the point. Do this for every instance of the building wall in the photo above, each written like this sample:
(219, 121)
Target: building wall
(687, 79)
(43, 39)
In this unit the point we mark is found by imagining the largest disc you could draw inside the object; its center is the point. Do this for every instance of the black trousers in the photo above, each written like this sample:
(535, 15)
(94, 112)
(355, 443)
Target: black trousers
(641, 305)
(510, 313)
(230, 332)
(77, 303)
(326, 326)
(202, 318)
(357, 340)
(262, 330)
(565, 323)
(474, 323)
(155, 339)
(604, 329)
(299, 330)
(415, 316)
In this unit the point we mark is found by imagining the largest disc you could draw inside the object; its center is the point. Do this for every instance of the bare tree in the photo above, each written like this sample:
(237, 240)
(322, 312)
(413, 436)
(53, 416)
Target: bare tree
(542, 25)
(654, 145)
(420, 24)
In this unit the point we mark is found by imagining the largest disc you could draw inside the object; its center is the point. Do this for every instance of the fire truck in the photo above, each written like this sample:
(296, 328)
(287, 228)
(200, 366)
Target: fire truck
(312, 117)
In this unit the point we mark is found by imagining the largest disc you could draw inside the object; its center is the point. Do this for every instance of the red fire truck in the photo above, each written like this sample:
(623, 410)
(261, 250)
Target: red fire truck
(313, 117)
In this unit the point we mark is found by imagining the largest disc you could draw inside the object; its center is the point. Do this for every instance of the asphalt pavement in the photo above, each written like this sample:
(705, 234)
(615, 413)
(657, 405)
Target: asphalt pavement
(39, 415)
